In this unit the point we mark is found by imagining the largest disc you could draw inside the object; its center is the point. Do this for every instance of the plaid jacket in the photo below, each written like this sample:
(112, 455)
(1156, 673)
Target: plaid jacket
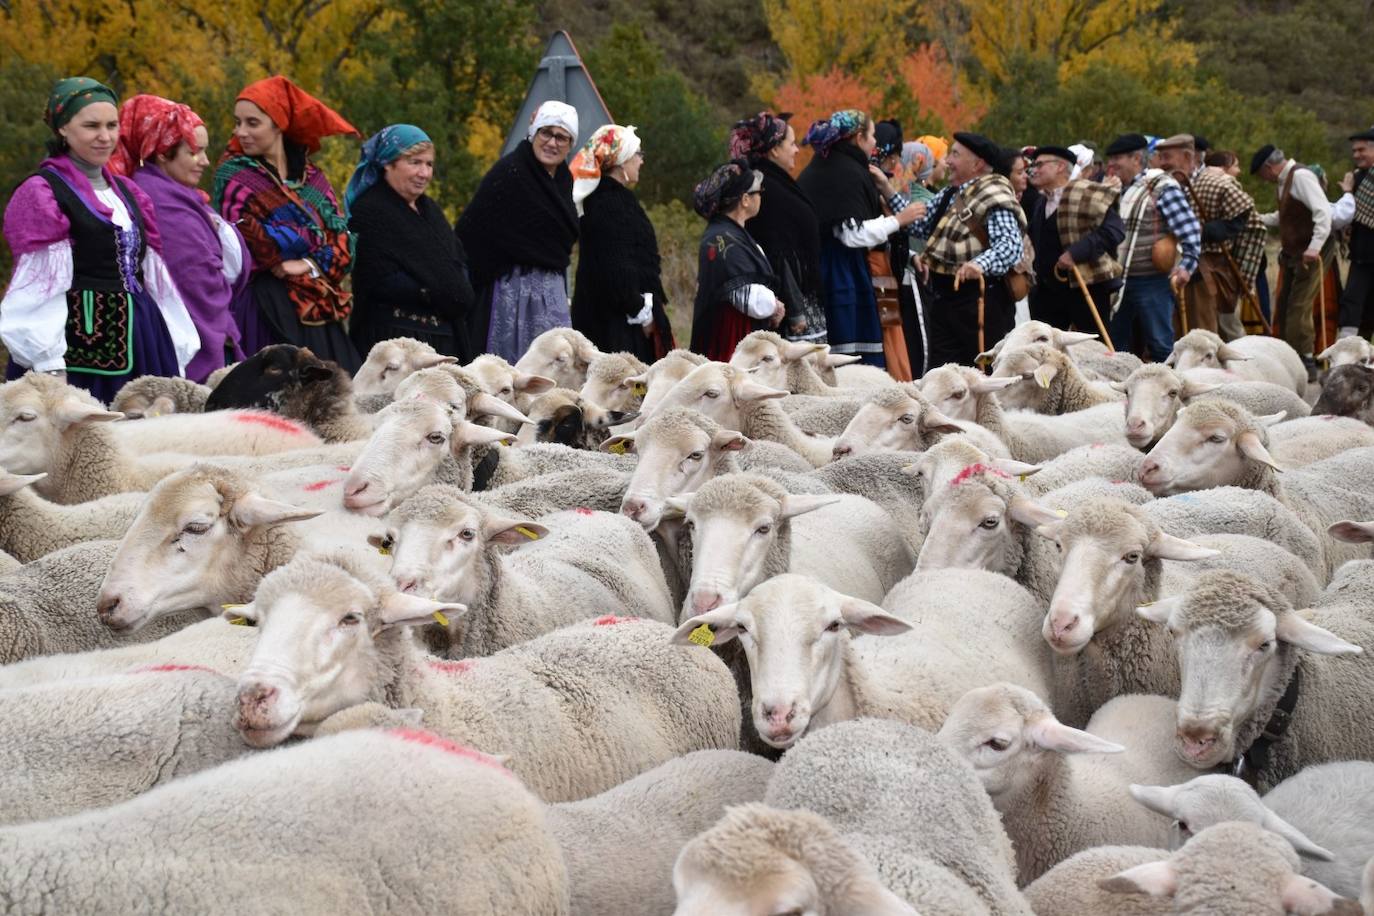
(952, 241)
(1082, 206)
(1364, 200)
(1216, 195)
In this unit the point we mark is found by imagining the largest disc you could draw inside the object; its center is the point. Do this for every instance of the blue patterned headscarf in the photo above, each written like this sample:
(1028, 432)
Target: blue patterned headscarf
(824, 134)
(382, 148)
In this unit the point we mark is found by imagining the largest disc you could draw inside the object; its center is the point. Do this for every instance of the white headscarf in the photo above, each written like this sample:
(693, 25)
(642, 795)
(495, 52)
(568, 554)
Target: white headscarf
(1085, 159)
(555, 114)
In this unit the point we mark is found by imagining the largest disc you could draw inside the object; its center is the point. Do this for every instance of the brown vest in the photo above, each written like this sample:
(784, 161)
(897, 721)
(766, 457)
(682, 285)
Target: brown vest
(1295, 220)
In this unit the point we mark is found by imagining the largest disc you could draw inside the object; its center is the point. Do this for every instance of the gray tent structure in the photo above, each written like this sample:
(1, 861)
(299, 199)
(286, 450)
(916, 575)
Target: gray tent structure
(561, 76)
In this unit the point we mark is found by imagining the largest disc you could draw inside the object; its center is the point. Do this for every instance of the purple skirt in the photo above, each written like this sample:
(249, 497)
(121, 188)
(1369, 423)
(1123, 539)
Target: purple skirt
(153, 355)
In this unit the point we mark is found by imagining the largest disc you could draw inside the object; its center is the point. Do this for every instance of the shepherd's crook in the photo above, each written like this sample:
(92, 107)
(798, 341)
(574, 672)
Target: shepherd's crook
(982, 289)
(1092, 306)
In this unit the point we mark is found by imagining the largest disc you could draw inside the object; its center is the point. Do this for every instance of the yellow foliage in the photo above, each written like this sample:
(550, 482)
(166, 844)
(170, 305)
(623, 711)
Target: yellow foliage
(818, 36)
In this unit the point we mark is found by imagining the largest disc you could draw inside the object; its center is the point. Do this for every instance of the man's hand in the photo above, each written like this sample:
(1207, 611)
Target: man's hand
(1311, 256)
(1065, 263)
(881, 180)
(1180, 277)
(910, 213)
(922, 269)
(1348, 183)
(968, 271)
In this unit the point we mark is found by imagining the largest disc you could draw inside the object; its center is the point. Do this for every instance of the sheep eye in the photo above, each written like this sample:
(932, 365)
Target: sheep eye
(1264, 646)
(435, 438)
(1209, 357)
(507, 390)
(1218, 438)
(769, 359)
(959, 395)
(1058, 547)
(26, 416)
(763, 529)
(835, 625)
(696, 456)
(997, 744)
(1042, 339)
(1132, 558)
(196, 528)
(907, 418)
(712, 393)
(1173, 394)
(390, 368)
(467, 534)
(350, 620)
(990, 522)
(741, 628)
(1182, 826)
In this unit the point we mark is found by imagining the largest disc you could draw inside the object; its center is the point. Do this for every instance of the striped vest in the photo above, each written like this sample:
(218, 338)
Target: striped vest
(1140, 212)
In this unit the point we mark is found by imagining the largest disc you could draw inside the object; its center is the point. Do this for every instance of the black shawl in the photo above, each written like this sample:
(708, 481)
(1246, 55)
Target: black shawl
(787, 229)
(617, 263)
(727, 260)
(840, 187)
(520, 216)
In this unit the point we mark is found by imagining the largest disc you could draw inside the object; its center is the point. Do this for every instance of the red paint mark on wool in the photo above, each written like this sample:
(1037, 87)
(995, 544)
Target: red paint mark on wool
(429, 739)
(1096, 445)
(319, 485)
(1118, 482)
(583, 510)
(271, 421)
(342, 467)
(610, 620)
(447, 667)
(172, 668)
(975, 470)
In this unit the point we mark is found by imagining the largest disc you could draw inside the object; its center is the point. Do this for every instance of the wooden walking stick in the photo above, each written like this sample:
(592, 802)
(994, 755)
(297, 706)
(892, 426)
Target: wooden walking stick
(1249, 298)
(1181, 301)
(1092, 306)
(1321, 301)
(982, 290)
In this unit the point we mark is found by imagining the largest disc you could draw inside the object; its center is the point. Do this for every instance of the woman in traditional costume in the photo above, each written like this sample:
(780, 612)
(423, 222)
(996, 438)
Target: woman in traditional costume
(284, 206)
(91, 299)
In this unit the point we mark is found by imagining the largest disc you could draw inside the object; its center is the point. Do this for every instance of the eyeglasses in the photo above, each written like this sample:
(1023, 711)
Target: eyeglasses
(549, 135)
(758, 193)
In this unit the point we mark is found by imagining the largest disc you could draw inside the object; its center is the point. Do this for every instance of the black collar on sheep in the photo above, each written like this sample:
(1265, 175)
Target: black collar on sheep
(1249, 765)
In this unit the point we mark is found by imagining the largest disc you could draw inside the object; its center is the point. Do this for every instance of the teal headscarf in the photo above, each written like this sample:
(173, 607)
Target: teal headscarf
(382, 148)
(72, 94)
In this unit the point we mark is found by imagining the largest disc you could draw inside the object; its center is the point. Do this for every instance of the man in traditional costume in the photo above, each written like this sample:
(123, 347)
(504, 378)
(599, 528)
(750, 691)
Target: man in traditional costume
(1355, 210)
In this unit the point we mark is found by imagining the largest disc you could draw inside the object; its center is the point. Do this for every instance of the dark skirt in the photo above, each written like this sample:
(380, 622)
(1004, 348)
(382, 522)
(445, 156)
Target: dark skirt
(724, 328)
(377, 323)
(153, 355)
(269, 317)
(851, 311)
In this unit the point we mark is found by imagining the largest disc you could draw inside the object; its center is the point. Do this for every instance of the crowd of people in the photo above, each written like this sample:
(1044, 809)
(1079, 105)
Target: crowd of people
(905, 254)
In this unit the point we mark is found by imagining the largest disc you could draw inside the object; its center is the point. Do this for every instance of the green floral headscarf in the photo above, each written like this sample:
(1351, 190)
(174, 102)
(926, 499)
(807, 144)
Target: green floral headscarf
(72, 94)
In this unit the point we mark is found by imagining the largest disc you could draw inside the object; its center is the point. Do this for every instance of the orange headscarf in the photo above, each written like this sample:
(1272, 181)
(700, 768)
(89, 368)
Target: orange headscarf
(303, 118)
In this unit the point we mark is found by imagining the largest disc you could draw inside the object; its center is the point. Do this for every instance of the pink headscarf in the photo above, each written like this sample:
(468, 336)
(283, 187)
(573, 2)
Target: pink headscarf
(149, 125)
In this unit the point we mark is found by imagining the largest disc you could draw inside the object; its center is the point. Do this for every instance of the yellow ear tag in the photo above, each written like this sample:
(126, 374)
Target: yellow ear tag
(527, 532)
(1061, 513)
(1022, 477)
(1042, 381)
(239, 621)
(506, 441)
(617, 448)
(230, 607)
(384, 550)
(440, 618)
(639, 389)
(702, 636)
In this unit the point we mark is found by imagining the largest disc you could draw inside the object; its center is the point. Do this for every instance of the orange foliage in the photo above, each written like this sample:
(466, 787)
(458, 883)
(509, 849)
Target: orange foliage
(811, 98)
(931, 82)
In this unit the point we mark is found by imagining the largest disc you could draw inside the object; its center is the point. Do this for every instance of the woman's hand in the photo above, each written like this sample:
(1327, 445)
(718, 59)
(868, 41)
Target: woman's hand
(778, 314)
(293, 268)
(881, 180)
(910, 214)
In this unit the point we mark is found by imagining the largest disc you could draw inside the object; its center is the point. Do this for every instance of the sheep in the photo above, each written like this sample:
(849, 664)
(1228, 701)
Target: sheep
(1348, 351)
(857, 375)
(561, 354)
(899, 418)
(214, 378)
(1243, 677)
(1049, 383)
(902, 797)
(745, 528)
(1260, 359)
(279, 832)
(156, 396)
(620, 846)
(806, 672)
(446, 544)
(220, 432)
(323, 400)
(1348, 391)
(956, 391)
(31, 527)
(578, 710)
(1155, 393)
(609, 382)
(1231, 869)
(1056, 797)
(825, 363)
(1091, 357)
(206, 536)
(259, 379)
(1300, 442)
(1215, 443)
(821, 416)
(8, 564)
(1324, 811)
(504, 382)
(780, 363)
(459, 389)
(659, 378)
(1072, 887)
(389, 362)
(1108, 462)
(564, 416)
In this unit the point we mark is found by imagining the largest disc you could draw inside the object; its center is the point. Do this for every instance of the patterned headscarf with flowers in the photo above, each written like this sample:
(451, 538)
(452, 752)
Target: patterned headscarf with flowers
(610, 145)
(752, 138)
(841, 125)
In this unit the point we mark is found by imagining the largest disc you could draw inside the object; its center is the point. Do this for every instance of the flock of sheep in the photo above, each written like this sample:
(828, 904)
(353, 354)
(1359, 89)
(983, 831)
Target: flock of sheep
(778, 637)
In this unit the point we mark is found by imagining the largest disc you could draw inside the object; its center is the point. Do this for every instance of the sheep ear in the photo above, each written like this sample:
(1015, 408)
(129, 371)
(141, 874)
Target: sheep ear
(1269, 419)
(1052, 735)
(1045, 374)
(863, 894)
(1158, 879)
(467, 434)
(1192, 389)
(932, 421)
(161, 407)
(1227, 353)
(381, 541)
(865, 617)
(1064, 339)
(1030, 513)
(987, 384)
(1019, 469)
(1297, 631)
(1306, 897)
(430, 360)
(793, 351)
(1117, 386)
(1160, 611)
(1348, 531)
(794, 504)
(316, 373)
(676, 506)
(532, 384)
(1251, 447)
(401, 610)
(836, 360)
(1050, 531)
(1328, 353)
(720, 622)
(1275, 824)
(510, 531)
(13, 483)
(987, 356)
(619, 445)
(240, 613)
(749, 390)
(1167, 547)
(728, 440)
(1159, 799)
(72, 411)
(252, 510)
(486, 405)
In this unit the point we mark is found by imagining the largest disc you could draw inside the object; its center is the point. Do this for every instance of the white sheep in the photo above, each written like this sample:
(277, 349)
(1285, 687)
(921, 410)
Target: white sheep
(786, 364)
(609, 382)
(826, 363)
(659, 378)
(620, 846)
(947, 632)
(1049, 383)
(955, 390)
(1324, 811)
(562, 354)
(219, 432)
(1055, 794)
(1251, 664)
(1089, 354)
(280, 832)
(818, 416)
(744, 529)
(1155, 393)
(1348, 351)
(578, 565)
(389, 362)
(31, 526)
(157, 395)
(899, 418)
(1072, 888)
(503, 381)
(1299, 442)
(1257, 358)
(562, 415)
(578, 710)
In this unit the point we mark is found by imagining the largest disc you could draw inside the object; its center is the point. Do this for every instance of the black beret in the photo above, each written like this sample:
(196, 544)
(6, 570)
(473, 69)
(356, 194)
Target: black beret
(1201, 143)
(1060, 152)
(1261, 156)
(980, 146)
(1127, 143)
(1363, 135)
